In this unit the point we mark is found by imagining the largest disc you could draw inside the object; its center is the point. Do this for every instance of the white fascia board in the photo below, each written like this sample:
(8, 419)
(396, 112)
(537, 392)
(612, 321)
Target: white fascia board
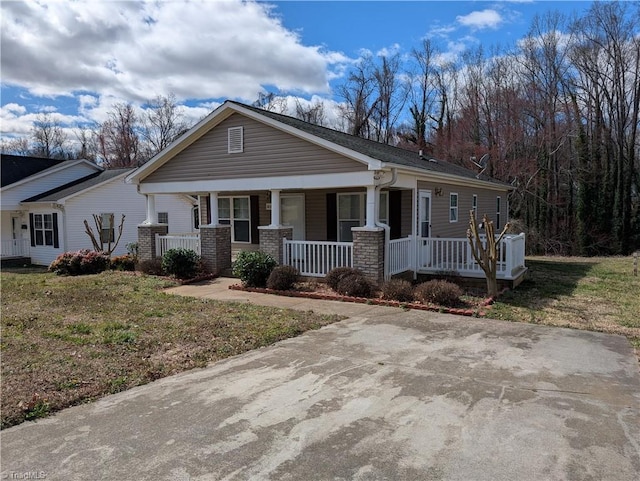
(318, 181)
(51, 170)
(429, 176)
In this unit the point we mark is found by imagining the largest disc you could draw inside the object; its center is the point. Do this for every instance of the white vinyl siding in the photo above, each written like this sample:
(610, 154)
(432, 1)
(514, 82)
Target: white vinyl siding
(235, 140)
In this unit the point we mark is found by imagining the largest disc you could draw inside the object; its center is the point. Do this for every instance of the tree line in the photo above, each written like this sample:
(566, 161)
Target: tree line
(557, 116)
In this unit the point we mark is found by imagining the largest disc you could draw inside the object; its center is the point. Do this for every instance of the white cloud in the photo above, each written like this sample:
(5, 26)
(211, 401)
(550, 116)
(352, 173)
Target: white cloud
(481, 19)
(136, 50)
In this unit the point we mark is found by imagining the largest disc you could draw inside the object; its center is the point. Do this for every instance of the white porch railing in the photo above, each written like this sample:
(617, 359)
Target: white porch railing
(177, 241)
(454, 255)
(316, 258)
(400, 255)
(15, 248)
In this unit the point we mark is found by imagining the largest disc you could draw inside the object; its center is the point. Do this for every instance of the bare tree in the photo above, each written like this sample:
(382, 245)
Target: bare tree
(49, 139)
(359, 96)
(312, 112)
(118, 140)
(162, 123)
(423, 92)
(391, 96)
(104, 240)
(17, 146)
(485, 252)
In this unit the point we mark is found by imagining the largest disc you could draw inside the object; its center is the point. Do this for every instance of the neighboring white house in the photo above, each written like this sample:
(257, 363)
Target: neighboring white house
(45, 203)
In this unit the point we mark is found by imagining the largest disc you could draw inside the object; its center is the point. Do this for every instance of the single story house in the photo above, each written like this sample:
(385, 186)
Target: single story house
(46, 201)
(316, 198)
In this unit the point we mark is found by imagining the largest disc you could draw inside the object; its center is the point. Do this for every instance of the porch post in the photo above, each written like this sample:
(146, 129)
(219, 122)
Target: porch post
(275, 208)
(271, 240)
(215, 239)
(371, 207)
(368, 252)
(213, 201)
(147, 240)
(151, 210)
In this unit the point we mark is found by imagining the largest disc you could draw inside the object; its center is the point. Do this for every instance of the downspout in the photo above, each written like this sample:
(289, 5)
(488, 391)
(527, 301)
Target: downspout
(387, 229)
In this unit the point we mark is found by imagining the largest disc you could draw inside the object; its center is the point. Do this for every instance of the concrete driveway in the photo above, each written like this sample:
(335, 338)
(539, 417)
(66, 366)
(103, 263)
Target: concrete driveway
(390, 395)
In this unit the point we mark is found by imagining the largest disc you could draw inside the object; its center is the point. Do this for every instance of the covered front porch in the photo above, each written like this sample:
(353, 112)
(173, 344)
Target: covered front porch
(382, 230)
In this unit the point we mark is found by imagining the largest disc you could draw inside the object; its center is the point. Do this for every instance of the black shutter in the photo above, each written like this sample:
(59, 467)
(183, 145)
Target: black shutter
(56, 243)
(395, 213)
(332, 217)
(208, 201)
(33, 231)
(254, 202)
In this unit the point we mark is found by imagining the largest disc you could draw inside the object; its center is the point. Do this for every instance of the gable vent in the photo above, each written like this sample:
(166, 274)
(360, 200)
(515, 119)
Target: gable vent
(235, 140)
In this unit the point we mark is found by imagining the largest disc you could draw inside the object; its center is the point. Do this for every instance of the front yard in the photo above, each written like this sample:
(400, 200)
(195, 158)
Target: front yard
(67, 340)
(596, 294)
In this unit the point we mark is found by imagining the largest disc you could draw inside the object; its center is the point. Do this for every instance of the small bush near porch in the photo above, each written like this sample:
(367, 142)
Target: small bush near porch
(66, 340)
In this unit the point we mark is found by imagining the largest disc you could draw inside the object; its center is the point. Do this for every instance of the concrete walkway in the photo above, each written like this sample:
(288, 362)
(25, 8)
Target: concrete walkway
(385, 395)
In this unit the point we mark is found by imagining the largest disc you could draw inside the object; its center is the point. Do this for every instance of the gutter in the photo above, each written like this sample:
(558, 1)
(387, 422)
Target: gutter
(387, 229)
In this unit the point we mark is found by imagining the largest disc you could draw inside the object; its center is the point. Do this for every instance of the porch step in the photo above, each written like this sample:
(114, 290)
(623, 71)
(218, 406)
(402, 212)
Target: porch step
(15, 262)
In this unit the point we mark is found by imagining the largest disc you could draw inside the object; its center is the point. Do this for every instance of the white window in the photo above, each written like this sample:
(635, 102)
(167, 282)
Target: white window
(453, 207)
(498, 212)
(474, 205)
(107, 232)
(235, 140)
(236, 211)
(163, 217)
(352, 213)
(43, 229)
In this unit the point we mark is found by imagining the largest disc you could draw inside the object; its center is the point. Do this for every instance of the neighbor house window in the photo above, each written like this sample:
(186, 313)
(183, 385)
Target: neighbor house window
(474, 205)
(163, 217)
(453, 207)
(498, 212)
(235, 140)
(236, 212)
(352, 213)
(43, 230)
(196, 217)
(107, 232)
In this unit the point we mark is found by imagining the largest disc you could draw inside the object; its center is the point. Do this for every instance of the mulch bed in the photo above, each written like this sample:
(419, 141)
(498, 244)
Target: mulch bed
(323, 292)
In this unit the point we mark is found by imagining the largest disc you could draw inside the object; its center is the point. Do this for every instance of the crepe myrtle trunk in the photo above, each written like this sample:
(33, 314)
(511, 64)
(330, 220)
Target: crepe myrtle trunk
(486, 253)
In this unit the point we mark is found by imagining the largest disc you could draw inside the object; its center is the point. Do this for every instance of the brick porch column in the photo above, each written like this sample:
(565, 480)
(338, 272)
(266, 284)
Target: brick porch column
(147, 239)
(271, 240)
(368, 252)
(215, 247)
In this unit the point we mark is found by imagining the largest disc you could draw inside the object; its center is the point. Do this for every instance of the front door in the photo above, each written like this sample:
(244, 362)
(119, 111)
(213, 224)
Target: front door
(424, 228)
(292, 214)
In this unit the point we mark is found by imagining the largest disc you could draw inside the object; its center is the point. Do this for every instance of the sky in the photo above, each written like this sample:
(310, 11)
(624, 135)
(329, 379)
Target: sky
(75, 59)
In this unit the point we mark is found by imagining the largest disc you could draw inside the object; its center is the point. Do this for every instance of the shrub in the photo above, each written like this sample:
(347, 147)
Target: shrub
(181, 263)
(397, 290)
(152, 267)
(80, 263)
(355, 285)
(439, 292)
(123, 263)
(253, 268)
(335, 275)
(132, 250)
(282, 278)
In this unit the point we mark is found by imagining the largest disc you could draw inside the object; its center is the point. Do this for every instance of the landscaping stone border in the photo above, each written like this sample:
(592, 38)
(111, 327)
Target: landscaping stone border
(477, 312)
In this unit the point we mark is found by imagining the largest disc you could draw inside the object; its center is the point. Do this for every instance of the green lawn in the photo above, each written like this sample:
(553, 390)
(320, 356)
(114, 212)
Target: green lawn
(66, 340)
(598, 294)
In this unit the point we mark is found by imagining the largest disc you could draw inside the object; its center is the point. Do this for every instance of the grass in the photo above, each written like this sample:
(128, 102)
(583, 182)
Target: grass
(68, 340)
(597, 294)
